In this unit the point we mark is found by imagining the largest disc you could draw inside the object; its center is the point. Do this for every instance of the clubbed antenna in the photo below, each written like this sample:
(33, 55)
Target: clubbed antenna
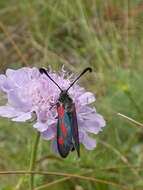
(84, 71)
(42, 70)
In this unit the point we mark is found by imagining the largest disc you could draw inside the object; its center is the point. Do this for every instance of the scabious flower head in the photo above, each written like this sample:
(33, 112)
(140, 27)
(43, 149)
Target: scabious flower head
(30, 92)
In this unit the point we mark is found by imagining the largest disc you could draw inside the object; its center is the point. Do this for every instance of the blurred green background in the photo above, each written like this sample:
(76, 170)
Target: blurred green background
(105, 35)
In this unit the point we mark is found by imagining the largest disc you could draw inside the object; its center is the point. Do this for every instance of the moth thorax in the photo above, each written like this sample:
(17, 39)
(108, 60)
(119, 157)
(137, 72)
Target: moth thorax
(64, 97)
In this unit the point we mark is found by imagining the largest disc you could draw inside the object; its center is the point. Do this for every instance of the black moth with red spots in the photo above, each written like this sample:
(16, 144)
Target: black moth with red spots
(67, 126)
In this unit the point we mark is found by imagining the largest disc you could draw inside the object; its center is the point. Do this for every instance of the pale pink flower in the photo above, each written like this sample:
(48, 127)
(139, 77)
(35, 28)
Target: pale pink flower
(30, 92)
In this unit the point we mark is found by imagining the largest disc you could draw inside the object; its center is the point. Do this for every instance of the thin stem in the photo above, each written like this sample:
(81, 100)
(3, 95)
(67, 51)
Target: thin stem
(59, 181)
(52, 183)
(131, 120)
(68, 175)
(55, 182)
(33, 159)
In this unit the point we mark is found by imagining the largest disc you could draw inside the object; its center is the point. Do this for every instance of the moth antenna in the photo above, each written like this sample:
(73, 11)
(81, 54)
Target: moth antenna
(83, 72)
(42, 70)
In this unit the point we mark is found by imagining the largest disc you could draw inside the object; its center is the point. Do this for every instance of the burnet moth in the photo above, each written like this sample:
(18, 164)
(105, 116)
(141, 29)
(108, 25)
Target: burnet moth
(67, 126)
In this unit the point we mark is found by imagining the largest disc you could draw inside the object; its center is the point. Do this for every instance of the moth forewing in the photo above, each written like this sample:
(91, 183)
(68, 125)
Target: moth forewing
(67, 126)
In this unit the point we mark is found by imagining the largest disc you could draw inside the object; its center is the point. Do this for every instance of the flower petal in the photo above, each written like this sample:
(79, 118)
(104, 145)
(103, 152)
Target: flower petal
(54, 146)
(85, 110)
(42, 116)
(87, 141)
(40, 126)
(23, 117)
(86, 98)
(93, 123)
(15, 101)
(49, 133)
(7, 111)
(21, 76)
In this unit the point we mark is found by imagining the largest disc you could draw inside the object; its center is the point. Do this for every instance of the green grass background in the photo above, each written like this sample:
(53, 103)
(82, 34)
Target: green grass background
(105, 35)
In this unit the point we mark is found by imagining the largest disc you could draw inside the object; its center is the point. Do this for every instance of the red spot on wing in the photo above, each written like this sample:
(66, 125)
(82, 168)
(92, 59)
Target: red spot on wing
(60, 111)
(61, 140)
(64, 130)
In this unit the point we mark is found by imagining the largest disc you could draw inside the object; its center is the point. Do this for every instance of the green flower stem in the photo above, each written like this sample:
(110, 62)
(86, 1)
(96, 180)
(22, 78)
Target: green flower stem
(33, 159)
